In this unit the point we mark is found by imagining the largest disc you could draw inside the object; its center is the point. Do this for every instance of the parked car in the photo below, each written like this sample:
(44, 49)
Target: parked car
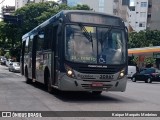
(131, 71)
(8, 62)
(148, 75)
(14, 67)
(3, 60)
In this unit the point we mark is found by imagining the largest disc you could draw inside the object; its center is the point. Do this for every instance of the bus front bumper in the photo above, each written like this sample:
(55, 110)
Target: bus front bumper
(69, 84)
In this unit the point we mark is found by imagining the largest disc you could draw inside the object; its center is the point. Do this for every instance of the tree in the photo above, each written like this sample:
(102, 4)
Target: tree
(33, 15)
(144, 39)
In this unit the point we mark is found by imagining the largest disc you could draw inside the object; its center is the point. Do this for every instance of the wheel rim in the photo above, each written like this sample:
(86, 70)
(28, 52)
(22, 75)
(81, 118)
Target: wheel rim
(149, 80)
(133, 79)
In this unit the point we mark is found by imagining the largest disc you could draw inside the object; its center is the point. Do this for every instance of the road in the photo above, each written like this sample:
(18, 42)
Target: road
(16, 95)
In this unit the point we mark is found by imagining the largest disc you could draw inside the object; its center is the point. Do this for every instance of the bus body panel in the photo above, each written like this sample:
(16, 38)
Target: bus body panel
(70, 84)
(43, 61)
(54, 61)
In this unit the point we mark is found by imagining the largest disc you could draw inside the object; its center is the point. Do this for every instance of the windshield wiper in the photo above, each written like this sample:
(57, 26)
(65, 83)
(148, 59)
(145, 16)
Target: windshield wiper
(86, 33)
(106, 34)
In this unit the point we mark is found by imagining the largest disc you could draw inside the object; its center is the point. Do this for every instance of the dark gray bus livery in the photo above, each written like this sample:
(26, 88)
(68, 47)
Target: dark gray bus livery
(77, 50)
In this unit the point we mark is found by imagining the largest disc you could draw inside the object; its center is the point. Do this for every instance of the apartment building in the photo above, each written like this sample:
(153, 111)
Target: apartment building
(153, 20)
(8, 10)
(21, 3)
(138, 14)
(105, 6)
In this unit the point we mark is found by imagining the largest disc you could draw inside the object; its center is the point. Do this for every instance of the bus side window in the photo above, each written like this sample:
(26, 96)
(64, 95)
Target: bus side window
(47, 38)
(26, 45)
(40, 41)
(54, 41)
(30, 44)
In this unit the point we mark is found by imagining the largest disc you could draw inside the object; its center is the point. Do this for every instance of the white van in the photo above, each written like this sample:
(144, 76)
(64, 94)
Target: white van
(131, 71)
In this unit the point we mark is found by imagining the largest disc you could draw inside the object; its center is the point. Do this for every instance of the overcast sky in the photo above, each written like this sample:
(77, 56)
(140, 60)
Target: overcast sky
(8, 2)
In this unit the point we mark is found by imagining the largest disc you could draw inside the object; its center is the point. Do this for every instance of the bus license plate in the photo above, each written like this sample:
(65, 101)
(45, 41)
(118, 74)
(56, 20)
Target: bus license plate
(97, 84)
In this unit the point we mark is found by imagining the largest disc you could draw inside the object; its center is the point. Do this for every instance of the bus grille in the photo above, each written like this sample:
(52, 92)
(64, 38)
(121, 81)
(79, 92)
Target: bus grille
(88, 86)
(97, 70)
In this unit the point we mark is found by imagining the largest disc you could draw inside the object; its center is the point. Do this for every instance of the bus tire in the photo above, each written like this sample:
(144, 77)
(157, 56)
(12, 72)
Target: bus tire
(49, 86)
(96, 92)
(47, 80)
(133, 79)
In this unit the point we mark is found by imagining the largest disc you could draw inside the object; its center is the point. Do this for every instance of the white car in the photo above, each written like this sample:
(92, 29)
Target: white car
(14, 67)
(131, 71)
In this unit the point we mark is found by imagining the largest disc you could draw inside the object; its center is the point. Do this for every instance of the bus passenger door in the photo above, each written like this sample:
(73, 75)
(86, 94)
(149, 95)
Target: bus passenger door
(33, 62)
(39, 57)
(30, 58)
(55, 57)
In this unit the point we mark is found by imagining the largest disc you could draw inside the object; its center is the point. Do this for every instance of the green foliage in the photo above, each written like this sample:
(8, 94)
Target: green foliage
(135, 59)
(33, 15)
(149, 60)
(81, 7)
(7, 55)
(2, 52)
(144, 39)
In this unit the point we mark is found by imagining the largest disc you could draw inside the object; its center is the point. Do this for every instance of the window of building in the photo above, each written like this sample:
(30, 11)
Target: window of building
(101, 3)
(142, 14)
(143, 4)
(149, 5)
(125, 2)
(101, 9)
(149, 15)
(142, 24)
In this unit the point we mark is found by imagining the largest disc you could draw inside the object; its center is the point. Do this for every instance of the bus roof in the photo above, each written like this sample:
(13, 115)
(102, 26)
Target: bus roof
(62, 14)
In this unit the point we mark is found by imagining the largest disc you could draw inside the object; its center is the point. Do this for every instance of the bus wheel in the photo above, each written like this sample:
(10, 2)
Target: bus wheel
(96, 92)
(133, 79)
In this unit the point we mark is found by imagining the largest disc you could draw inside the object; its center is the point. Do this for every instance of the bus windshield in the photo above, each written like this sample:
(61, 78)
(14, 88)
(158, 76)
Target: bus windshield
(95, 45)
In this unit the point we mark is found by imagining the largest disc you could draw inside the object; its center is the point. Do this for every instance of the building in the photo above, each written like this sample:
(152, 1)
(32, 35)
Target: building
(137, 14)
(105, 6)
(144, 14)
(21, 3)
(153, 15)
(8, 10)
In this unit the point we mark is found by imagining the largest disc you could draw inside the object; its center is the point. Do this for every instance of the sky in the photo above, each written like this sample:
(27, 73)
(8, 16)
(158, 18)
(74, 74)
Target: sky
(8, 2)
(132, 3)
(12, 2)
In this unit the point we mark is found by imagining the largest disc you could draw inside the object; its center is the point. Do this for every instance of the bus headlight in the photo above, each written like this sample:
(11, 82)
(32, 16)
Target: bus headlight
(69, 72)
(121, 74)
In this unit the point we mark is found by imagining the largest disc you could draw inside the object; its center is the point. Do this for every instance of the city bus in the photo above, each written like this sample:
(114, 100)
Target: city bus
(77, 50)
